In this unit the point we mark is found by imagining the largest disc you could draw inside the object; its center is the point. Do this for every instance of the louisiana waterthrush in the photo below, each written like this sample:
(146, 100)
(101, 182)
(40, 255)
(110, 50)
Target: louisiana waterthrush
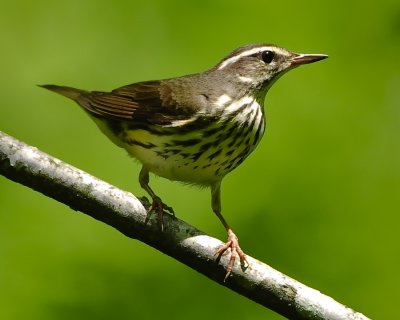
(195, 128)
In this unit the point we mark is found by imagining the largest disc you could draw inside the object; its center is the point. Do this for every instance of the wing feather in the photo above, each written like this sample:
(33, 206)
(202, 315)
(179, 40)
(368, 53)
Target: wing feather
(149, 102)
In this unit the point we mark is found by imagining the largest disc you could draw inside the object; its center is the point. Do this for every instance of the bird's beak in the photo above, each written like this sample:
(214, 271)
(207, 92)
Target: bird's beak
(300, 58)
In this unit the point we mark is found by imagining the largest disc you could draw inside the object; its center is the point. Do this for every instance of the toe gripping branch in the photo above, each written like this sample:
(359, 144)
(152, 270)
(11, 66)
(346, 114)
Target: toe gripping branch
(233, 244)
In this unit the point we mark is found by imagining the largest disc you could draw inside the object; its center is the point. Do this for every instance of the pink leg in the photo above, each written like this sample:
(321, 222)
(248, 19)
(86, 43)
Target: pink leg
(233, 241)
(157, 205)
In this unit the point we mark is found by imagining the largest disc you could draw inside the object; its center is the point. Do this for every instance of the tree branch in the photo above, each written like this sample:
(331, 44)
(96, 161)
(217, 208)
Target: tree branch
(121, 210)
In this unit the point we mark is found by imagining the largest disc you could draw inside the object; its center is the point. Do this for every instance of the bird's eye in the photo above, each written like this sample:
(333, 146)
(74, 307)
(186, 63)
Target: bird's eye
(267, 56)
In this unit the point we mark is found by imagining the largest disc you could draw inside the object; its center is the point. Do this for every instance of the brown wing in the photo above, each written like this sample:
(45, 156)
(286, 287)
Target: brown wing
(144, 102)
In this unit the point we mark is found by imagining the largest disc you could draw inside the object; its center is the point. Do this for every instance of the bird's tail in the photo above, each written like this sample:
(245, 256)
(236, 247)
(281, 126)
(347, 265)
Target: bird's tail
(72, 93)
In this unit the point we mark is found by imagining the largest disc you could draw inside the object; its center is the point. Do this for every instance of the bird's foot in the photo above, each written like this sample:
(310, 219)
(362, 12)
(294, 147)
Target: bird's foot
(233, 244)
(159, 207)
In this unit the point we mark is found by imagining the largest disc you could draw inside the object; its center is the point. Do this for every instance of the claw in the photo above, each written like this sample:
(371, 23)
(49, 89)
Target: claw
(159, 207)
(233, 244)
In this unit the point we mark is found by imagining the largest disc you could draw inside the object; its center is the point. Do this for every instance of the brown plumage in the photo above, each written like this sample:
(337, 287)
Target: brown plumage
(195, 128)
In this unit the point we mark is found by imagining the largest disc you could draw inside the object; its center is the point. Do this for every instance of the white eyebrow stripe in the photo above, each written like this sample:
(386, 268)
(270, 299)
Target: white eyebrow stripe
(243, 54)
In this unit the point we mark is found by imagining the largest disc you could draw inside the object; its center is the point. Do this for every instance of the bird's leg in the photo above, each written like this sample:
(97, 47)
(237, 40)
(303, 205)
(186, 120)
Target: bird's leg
(157, 205)
(233, 241)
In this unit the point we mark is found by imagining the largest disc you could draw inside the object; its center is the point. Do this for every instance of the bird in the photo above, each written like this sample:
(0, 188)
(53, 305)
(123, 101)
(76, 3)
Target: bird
(196, 128)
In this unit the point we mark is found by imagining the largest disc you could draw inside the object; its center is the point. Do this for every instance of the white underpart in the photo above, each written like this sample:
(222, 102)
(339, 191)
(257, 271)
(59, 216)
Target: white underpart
(163, 161)
(223, 100)
(243, 54)
(234, 106)
(238, 104)
(259, 120)
(242, 116)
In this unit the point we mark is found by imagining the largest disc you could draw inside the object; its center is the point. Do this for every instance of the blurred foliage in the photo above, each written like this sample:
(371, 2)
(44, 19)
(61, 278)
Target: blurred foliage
(318, 200)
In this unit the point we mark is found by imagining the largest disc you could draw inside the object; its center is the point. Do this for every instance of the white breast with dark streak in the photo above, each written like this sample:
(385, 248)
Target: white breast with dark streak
(204, 155)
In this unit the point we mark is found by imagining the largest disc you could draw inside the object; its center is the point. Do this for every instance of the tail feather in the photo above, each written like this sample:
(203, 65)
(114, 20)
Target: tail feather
(72, 93)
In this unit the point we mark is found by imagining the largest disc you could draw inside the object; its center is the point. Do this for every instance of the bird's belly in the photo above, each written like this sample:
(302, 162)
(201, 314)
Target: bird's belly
(199, 157)
(175, 167)
(200, 153)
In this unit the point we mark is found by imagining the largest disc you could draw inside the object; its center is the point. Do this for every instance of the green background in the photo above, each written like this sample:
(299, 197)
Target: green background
(318, 200)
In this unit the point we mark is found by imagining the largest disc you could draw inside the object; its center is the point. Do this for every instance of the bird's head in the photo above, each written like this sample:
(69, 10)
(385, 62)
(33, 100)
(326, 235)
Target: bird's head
(259, 65)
